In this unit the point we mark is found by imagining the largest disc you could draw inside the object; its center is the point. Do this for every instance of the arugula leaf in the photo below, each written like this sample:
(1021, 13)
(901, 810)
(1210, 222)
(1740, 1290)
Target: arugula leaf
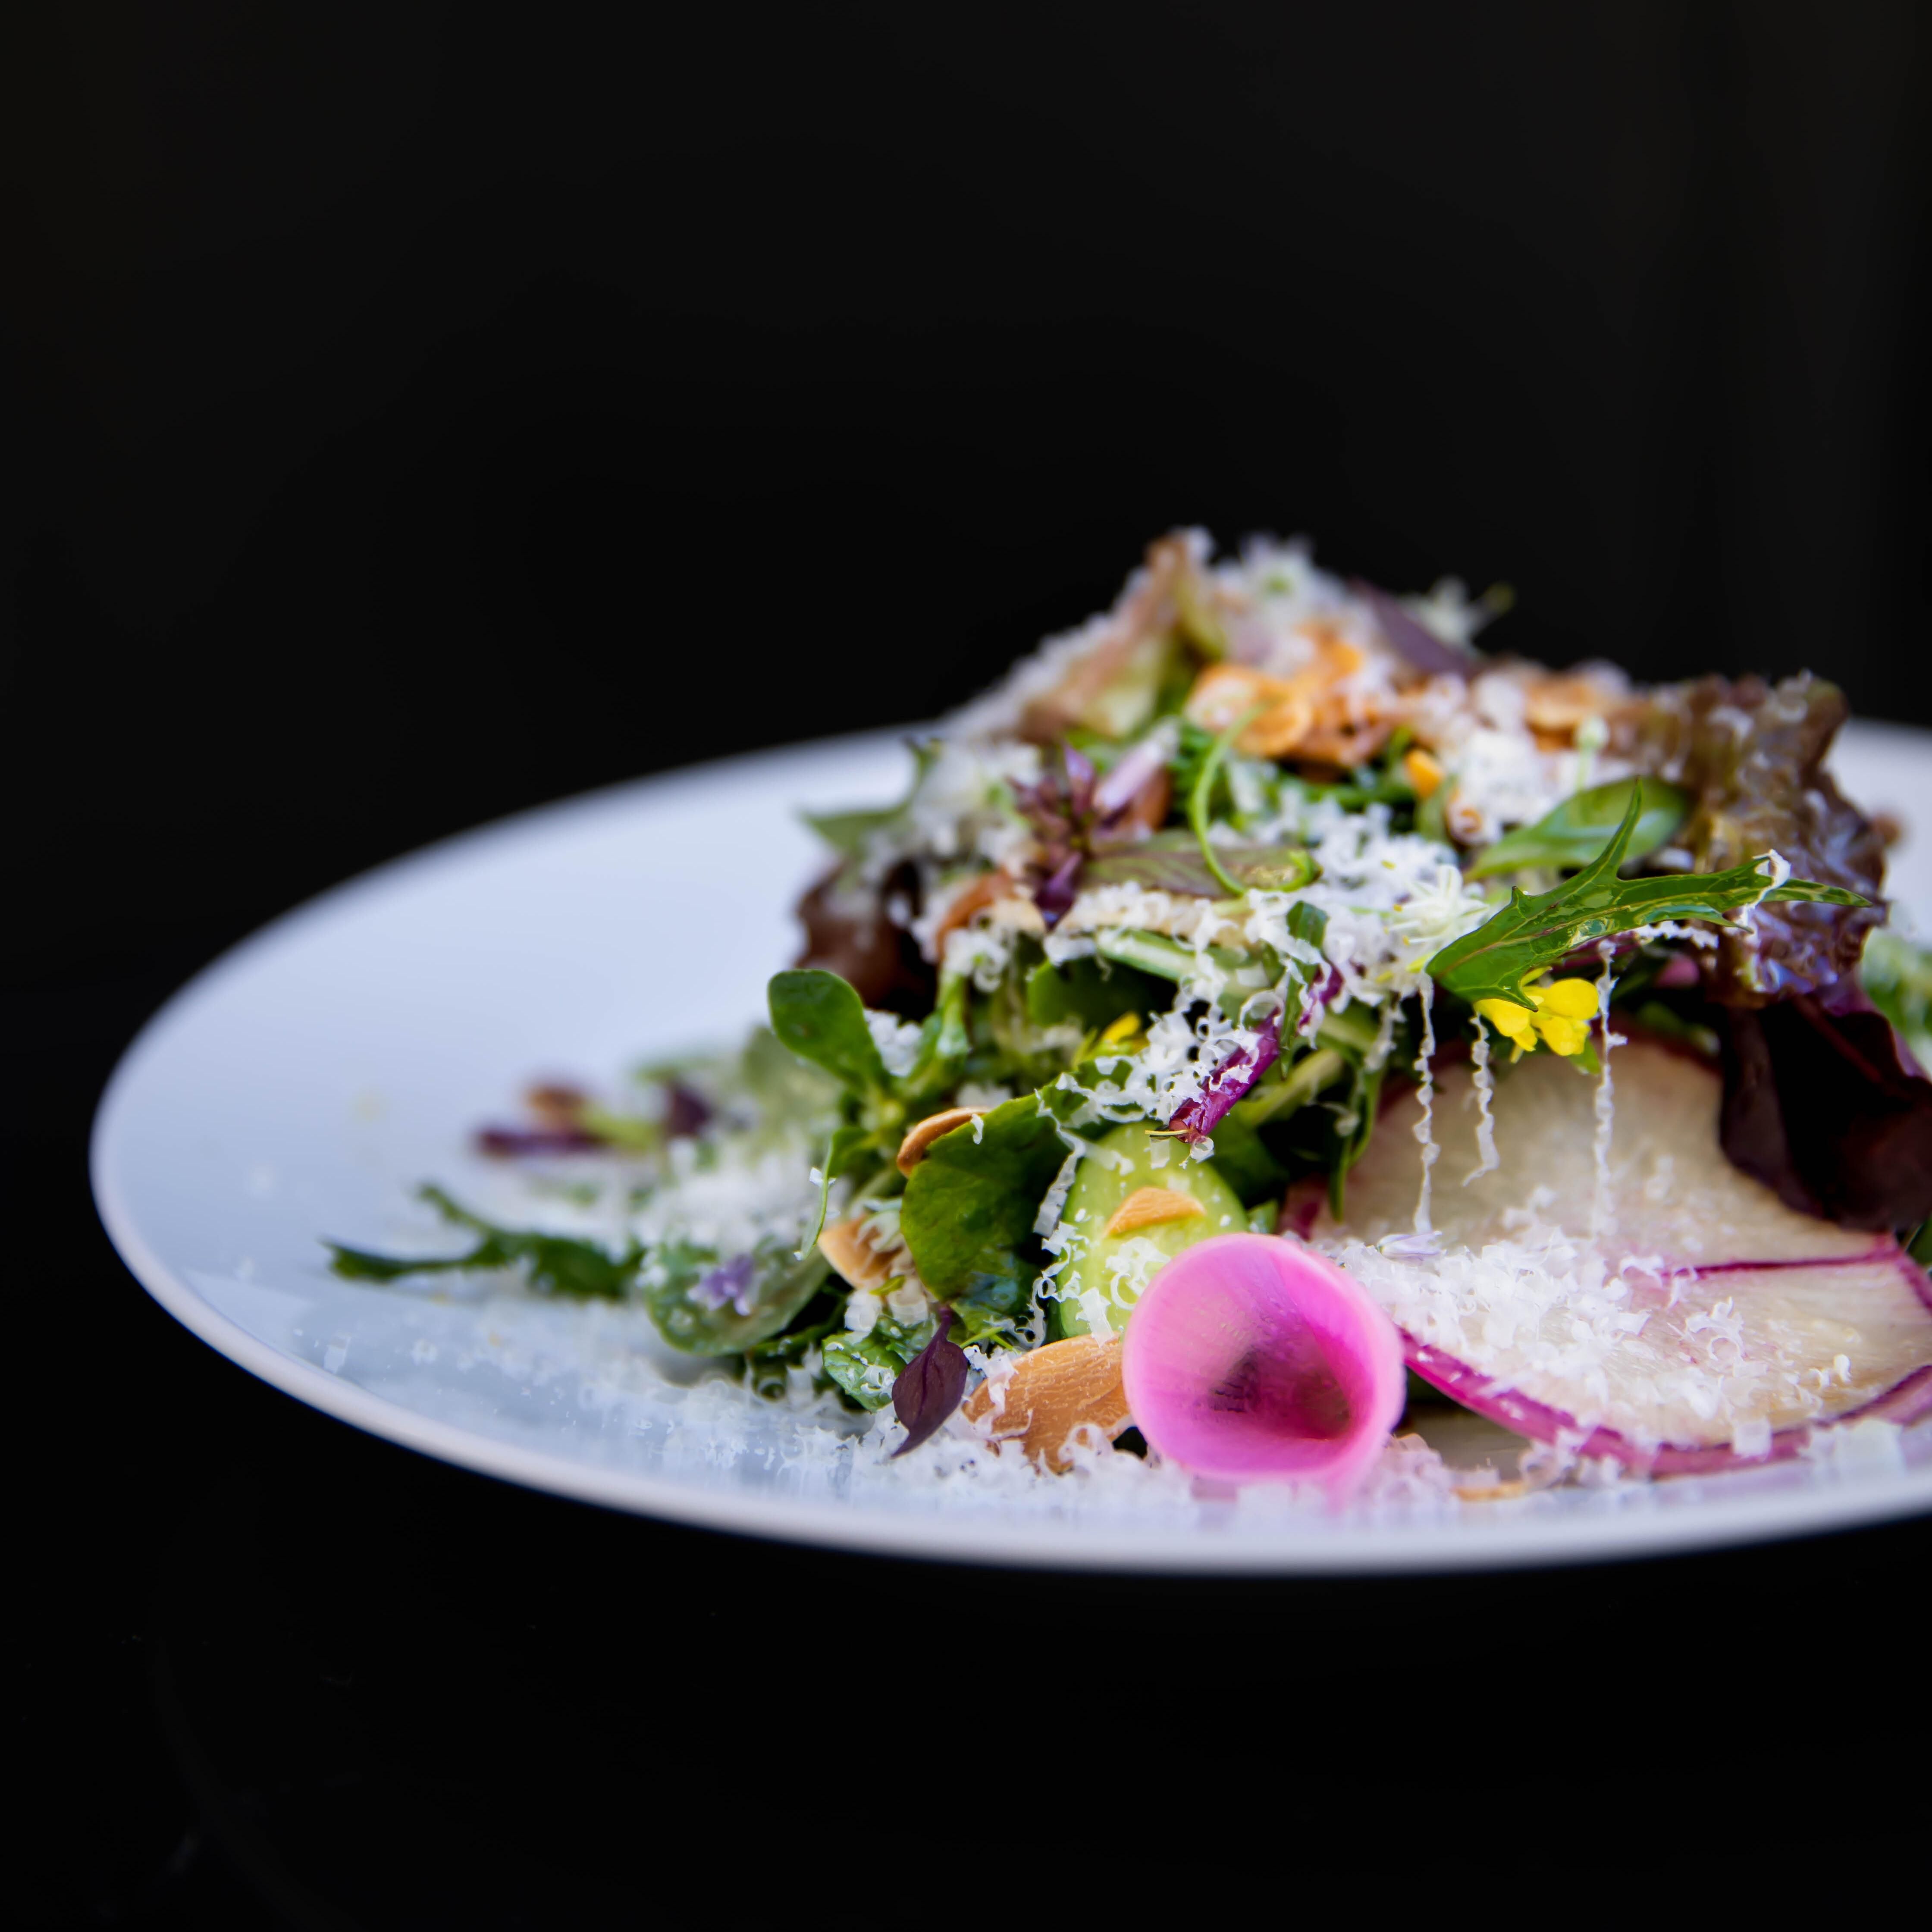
(969, 1204)
(822, 1019)
(1085, 993)
(555, 1263)
(1574, 833)
(709, 1308)
(1532, 933)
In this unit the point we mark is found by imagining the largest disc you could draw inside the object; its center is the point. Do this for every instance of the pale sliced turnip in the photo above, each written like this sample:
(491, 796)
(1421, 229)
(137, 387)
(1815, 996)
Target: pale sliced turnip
(1251, 1357)
(1656, 1304)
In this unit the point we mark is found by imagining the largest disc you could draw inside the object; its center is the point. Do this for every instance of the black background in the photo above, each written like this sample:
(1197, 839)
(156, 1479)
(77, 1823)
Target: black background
(419, 412)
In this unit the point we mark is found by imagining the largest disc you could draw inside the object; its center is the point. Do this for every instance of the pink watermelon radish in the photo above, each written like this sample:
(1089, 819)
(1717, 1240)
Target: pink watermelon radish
(1644, 1299)
(1250, 1357)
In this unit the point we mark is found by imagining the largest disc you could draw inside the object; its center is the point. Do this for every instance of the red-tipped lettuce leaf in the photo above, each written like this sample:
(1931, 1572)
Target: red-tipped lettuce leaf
(1751, 755)
(1818, 1106)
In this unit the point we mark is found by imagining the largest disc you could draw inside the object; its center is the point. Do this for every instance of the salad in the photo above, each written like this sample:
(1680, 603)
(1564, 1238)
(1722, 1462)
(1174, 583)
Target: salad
(1269, 1023)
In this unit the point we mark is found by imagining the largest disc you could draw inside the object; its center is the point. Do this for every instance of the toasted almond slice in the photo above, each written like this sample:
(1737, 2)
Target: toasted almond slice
(1422, 771)
(1051, 1392)
(1491, 1493)
(973, 898)
(912, 1149)
(1146, 1206)
(849, 1248)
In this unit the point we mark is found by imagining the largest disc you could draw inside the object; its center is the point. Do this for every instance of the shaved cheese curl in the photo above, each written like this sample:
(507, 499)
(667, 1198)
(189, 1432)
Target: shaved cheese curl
(1252, 1358)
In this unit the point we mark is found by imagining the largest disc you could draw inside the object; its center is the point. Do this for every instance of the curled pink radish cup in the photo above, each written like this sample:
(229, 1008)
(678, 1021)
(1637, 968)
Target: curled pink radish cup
(1252, 1358)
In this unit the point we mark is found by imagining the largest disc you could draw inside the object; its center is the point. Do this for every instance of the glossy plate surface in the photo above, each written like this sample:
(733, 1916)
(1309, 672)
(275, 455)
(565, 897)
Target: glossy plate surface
(304, 1084)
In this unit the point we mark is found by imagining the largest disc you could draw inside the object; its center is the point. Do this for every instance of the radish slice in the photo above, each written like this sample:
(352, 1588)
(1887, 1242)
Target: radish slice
(1663, 1307)
(1250, 1357)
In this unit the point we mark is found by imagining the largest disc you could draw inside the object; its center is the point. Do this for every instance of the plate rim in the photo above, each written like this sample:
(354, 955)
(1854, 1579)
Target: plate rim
(1529, 1540)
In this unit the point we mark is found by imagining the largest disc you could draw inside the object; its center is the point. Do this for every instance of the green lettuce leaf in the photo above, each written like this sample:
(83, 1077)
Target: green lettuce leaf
(1575, 831)
(1091, 995)
(822, 1019)
(969, 1205)
(866, 1366)
(1533, 932)
(707, 1308)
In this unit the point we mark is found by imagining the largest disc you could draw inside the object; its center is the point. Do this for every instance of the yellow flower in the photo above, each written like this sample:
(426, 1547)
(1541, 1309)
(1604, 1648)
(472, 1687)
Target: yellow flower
(1563, 1012)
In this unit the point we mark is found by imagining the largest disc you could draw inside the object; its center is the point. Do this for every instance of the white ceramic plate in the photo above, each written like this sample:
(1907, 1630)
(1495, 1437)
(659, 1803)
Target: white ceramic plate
(305, 1082)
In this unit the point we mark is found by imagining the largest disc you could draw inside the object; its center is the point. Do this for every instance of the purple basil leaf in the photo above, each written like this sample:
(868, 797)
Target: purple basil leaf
(1195, 1120)
(1818, 1106)
(1412, 641)
(1056, 894)
(727, 1283)
(929, 1387)
(510, 1142)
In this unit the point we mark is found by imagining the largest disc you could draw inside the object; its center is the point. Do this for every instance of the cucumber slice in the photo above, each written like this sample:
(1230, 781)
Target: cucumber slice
(1108, 1271)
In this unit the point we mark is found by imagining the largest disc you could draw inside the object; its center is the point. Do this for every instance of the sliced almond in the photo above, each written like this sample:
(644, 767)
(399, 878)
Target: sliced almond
(1422, 771)
(850, 1248)
(1148, 1206)
(1224, 691)
(973, 898)
(1053, 1391)
(1491, 1493)
(912, 1149)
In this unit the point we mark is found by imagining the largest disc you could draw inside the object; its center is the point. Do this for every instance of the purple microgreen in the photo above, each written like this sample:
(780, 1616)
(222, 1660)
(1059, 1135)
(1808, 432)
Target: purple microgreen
(1060, 808)
(929, 1387)
(728, 1283)
(1055, 894)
